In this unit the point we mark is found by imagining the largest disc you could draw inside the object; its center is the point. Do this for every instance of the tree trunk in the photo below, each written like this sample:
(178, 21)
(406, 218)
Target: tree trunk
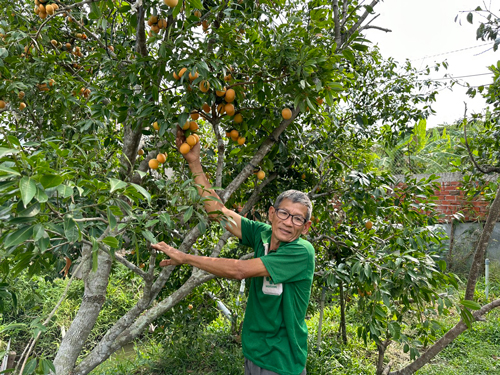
(452, 243)
(381, 347)
(94, 296)
(320, 323)
(482, 245)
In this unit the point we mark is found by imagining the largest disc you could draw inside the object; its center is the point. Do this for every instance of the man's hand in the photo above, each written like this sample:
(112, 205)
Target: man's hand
(176, 256)
(192, 156)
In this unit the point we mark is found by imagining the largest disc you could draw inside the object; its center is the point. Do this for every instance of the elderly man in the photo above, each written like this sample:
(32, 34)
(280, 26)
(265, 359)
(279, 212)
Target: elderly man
(274, 336)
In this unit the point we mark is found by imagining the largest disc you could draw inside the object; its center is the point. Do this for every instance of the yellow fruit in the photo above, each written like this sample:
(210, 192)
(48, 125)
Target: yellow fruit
(191, 141)
(303, 176)
(230, 95)
(185, 126)
(49, 9)
(140, 152)
(41, 8)
(37, 9)
(2, 104)
(197, 13)
(184, 149)
(193, 77)
(206, 108)
(22, 105)
(155, 29)
(286, 113)
(154, 164)
(197, 137)
(162, 23)
(193, 126)
(228, 134)
(204, 86)
(319, 101)
(190, 307)
(241, 140)
(229, 108)
(205, 24)
(156, 126)
(195, 115)
(161, 158)
(228, 78)
(171, 3)
(52, 83)
(261, 175)
(368, 225)
(234, 134)
(220, 109)
(20, 95)
(220, 92)
(238, 118)
(182, 71)
(176, 76)
(152, 20)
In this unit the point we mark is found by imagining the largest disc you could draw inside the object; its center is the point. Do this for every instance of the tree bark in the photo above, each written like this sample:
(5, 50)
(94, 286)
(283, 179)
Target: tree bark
(449, 336)
(482, 245)
(342, 326)
(94, 297)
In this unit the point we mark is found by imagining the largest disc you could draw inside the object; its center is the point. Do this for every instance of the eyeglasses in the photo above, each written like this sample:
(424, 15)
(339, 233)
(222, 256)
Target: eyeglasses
(297, 220)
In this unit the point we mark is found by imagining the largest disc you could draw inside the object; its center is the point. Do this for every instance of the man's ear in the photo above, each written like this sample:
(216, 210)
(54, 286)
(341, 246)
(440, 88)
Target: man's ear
(306, 227)
(271, 213)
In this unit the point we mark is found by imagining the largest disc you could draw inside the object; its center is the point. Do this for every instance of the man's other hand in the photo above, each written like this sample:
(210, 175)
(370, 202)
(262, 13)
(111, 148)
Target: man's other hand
(176, 256)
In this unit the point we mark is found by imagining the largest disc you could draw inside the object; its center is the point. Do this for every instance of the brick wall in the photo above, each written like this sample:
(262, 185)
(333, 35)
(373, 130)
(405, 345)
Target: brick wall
(451, 200)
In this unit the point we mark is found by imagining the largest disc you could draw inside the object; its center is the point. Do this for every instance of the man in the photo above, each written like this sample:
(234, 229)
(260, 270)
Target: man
(274, 336)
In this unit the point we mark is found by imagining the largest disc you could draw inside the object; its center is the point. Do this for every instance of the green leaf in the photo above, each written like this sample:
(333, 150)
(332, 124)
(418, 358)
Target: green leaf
(30, 367)
(149, 236)
(473, 305)
(27, 186)
(18, 236)
(111, 218)
(6, 151)
(469, 17)
(13, 326)
(143, 191)
(111, 242)
(9, 170)
(71, 230)
(51, 180)
(116, 184)
(65, 191)
(196, 4)
(188, 214)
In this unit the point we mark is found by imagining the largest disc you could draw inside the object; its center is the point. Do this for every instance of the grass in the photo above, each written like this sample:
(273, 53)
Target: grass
(215, 351)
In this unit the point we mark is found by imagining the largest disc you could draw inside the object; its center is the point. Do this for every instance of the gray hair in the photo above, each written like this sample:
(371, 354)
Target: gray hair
(296, 197)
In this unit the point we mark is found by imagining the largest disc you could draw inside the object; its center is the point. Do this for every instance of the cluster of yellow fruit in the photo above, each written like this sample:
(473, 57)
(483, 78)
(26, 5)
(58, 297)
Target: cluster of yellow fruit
(85, 92)
(193, 138)
(155, 163)
(43, 10)
(157, 24)
(235, 136)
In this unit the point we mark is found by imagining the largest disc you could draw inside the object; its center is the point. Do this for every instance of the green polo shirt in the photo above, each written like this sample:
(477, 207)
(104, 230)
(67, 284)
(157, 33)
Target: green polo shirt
(274, 333)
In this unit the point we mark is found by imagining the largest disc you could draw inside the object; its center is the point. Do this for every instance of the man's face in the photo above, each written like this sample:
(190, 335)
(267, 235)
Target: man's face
(286, 230)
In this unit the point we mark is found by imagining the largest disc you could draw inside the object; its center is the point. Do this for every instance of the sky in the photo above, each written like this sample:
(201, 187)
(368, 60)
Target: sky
(425, 32)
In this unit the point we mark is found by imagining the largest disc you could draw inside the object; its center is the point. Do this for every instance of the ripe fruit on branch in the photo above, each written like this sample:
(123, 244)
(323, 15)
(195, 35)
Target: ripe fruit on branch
(228, 78)
(261, 175)
(206, 108)
(152, 20)
(220, 93)
(238, 118)
(22, 105)
(181, 72)
(156, 126)
(193, 126)
(193, 77)
(204, 86)
(21, 95)
(162, 23)
(2, 104)
(286, 113)
(319, 101)
(171, 3)
(54, 42)
(153, 164)
(241, 141)
(195, 115)
(191, 140)
(161, 158)
(229, 108)
(140, 152)
(49, 9)
(230, 95)
(197, 13)
(186, 125)
(368, 225)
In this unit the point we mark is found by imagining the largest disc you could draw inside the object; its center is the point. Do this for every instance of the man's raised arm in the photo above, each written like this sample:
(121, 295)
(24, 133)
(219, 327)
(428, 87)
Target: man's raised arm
(233, 219)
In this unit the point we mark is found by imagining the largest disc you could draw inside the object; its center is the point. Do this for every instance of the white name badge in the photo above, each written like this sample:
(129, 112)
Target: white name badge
(268, 287)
